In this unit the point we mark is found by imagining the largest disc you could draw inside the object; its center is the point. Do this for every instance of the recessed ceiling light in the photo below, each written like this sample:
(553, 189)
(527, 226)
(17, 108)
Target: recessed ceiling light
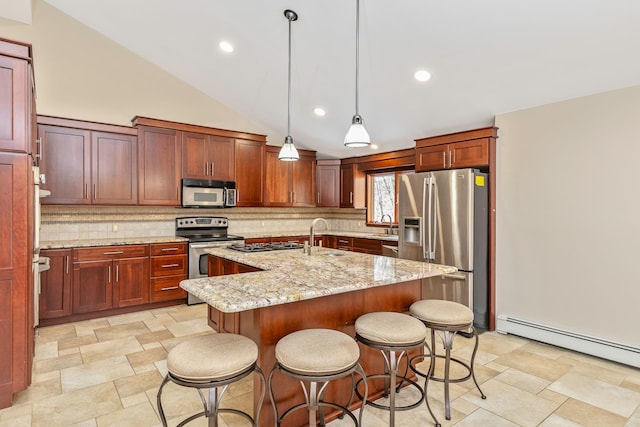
(225, 46)
(374, 146)
(319, 111)
(422, 75)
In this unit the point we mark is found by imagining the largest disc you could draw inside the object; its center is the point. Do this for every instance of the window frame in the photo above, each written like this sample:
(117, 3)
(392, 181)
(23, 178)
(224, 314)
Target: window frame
(370, 221)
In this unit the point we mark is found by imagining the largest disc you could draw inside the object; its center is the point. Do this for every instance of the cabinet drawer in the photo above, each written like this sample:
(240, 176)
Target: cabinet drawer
(167, 288)
(110, 252)
(344, 243)
(168, 265)
(367, 245)
(158, 249)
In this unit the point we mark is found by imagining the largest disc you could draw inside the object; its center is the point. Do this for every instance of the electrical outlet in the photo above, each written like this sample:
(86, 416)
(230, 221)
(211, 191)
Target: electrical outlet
(114, 228)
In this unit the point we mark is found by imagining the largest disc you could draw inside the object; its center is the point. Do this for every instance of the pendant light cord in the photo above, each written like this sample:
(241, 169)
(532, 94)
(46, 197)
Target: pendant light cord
(289, 85)
(357, 49)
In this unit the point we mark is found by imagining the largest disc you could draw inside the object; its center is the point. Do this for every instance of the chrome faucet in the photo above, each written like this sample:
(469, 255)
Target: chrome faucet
(388, 230)
(312, 233)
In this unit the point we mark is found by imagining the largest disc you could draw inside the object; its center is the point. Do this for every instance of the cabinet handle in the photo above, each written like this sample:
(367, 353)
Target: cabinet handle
(350, 196)
(86, 187)
(206, 168)
(212, 167)
(40, 148)
(66, 261)
(237, 195)
(94, 192)
(109, 268)
(117, 270)
(170, 288)
(170, 249)
(170, 265)
(177, 193)
(113, 253)
(444, 159)
(451, 154)
(318, 197)
(293, 197)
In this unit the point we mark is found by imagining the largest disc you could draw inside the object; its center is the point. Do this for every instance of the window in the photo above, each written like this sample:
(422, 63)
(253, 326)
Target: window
(382, 206)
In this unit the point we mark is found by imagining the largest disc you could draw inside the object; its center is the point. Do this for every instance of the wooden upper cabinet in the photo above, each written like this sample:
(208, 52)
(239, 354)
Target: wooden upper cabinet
(208, 157)
(88, 167)
(159, 166)
(454, 151)
(352, 186)
(14, 105)
(290, 183)
(66, 164)
(328, 183)
(249, 172)
(303, 181)
(114, 169)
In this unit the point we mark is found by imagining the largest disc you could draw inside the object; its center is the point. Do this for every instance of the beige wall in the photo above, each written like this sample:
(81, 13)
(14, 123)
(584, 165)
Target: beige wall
(83, 75)
(568, 215)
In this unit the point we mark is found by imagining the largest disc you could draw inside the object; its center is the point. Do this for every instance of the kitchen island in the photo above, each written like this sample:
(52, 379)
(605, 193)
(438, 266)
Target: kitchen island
(293, 291)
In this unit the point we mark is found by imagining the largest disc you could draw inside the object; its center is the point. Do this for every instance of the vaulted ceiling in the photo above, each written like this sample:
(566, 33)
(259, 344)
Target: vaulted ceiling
(485, 58)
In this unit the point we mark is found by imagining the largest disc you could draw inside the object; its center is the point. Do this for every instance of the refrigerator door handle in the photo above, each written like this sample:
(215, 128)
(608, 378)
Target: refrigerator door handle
(422, 225)
(434, 223)
(430, 217)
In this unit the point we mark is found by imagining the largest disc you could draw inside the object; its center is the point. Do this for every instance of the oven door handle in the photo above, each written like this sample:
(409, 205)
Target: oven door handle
(207, 245)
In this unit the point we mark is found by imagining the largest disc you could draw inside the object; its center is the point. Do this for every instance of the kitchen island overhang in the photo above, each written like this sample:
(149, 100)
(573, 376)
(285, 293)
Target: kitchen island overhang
(328, 289)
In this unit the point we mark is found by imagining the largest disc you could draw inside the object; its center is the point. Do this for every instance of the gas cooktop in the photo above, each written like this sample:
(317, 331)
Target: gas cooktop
(263, 247)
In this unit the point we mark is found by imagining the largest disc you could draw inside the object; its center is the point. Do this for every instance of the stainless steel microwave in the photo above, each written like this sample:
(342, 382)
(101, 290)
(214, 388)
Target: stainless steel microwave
(202, 193)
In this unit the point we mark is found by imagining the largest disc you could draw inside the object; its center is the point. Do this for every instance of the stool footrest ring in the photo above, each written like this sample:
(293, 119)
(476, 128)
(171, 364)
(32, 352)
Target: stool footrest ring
(400, 381)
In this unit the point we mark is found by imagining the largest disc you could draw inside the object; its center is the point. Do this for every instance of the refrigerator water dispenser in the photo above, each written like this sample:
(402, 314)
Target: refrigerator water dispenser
(411, 230)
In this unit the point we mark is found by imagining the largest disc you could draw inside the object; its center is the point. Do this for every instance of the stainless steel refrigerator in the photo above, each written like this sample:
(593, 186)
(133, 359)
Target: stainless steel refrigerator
(444, 219)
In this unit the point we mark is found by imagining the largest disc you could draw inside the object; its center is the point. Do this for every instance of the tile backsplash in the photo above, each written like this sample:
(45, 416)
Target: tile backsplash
(62, 223)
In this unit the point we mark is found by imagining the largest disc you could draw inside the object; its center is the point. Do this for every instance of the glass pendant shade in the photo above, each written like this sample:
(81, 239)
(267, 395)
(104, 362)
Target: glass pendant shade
(288, 152)
(357, 136)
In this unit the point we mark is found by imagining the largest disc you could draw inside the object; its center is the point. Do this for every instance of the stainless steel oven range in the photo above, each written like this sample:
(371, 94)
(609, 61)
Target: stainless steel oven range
(203, 232)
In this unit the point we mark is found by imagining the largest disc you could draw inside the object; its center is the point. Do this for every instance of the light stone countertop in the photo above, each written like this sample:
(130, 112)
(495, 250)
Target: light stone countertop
(377, 236)
(290, 276)
(83, 243)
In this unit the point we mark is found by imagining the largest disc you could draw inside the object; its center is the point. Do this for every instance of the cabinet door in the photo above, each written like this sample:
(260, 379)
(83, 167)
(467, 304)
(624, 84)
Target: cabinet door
(55, 285)
(432, 158)
(471, 153)
(130, 282)
(328, 185)
(249, 173)
(159, 166)
(278, 184)
(66, 164)
(114, 169)
(221, 154)
(14, 105)
(303, 182)
(195, 163)
(352, 186)
(92, 286)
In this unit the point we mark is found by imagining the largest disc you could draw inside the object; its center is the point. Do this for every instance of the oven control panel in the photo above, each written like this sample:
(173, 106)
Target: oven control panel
(202, 222)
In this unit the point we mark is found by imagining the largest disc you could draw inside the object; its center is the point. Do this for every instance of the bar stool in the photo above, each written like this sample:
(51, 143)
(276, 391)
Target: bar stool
(315, 357)
(446, 318)
(210, 362)
(394, 334)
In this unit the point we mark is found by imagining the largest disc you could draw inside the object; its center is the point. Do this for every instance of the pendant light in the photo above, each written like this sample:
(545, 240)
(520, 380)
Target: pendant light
(288, 151)
(357, 135)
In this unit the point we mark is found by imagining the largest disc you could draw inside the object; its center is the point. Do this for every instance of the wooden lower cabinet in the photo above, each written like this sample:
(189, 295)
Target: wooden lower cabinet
(226, 322)
(169, 266)
(110, 277)
(55, 285)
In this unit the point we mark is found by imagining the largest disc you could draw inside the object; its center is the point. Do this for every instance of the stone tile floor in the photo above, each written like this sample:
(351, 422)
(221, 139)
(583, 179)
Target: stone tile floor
(106, 372)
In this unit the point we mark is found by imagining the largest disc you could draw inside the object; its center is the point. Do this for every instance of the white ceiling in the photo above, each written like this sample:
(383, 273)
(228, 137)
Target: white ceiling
(486, 57)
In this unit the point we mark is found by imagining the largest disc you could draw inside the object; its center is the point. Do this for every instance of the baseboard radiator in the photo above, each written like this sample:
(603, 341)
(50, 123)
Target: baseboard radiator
(605, 349)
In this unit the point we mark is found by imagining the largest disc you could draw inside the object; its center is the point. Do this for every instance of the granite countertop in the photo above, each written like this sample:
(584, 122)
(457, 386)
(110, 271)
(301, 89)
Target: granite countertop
(290, 276)
(67, 244)
(378, 236)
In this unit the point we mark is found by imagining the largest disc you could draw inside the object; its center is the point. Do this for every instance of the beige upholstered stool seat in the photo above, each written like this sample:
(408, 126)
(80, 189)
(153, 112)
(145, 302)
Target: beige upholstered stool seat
(212, 357)
(442, 313)
(390, 328)
(394, 334)
(317, 352)
(315, 357)
(211, 363)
